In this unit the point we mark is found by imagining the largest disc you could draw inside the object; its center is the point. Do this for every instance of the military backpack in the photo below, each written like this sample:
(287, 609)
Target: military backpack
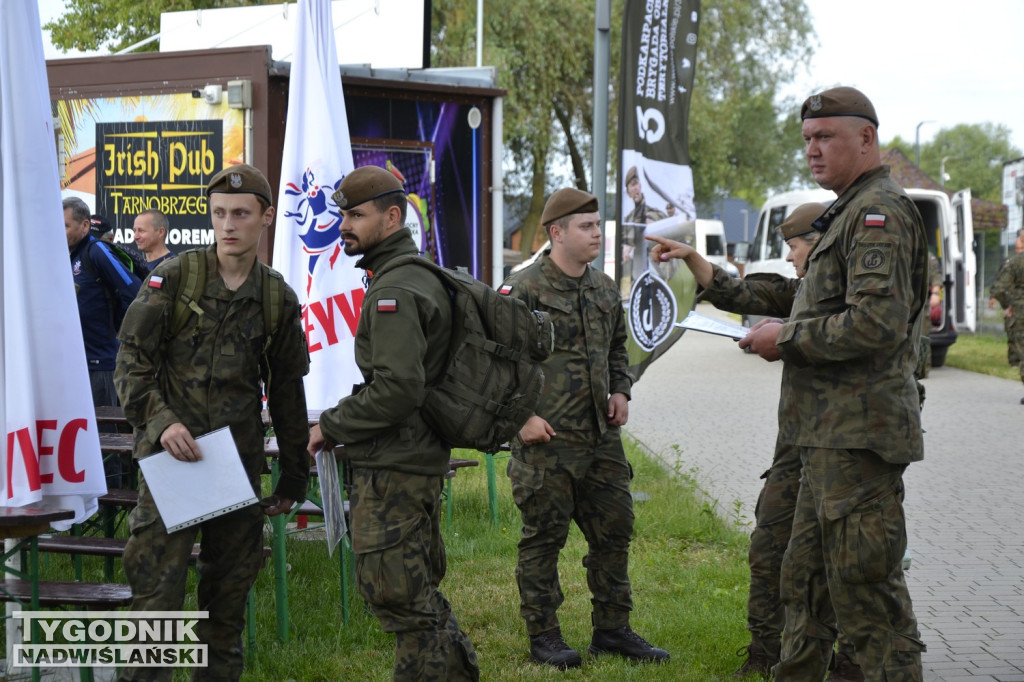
(194, 267)
(492, 382)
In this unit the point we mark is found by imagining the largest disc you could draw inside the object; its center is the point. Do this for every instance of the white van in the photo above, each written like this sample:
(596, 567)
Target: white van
(707, 237)
(950, 230)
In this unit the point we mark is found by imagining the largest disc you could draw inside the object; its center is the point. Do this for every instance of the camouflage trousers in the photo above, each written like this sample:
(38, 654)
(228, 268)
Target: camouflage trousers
(573, 479)
(844, 562)
(773, 526)
(230, 557)
(400, 562)
(1015, 341)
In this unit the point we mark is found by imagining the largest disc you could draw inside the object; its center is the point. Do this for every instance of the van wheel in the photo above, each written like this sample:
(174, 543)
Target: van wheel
(939, 355)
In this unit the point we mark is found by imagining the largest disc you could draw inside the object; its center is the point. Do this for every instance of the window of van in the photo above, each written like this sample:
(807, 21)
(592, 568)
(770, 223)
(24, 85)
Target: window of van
(754, 252)
(713, 242)
(776, 244)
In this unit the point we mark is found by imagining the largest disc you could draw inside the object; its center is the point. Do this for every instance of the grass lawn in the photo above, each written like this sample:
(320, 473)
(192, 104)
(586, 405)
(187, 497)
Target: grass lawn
(983, 354)
(687, 566)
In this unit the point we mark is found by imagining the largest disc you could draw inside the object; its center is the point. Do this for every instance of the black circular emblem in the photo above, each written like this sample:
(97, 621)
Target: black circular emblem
(652, 310)
(873, 259)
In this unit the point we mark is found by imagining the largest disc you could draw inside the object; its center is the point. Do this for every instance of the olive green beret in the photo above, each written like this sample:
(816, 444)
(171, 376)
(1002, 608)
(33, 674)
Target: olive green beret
(566, 202)
(241, 179)
(839, 102)
(366, 184)
(631, 175)
(799, 221)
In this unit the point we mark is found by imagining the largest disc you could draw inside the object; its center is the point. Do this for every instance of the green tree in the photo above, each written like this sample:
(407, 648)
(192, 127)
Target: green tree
(117, 24)
(974, 156)
(744, 138)
(543, 52)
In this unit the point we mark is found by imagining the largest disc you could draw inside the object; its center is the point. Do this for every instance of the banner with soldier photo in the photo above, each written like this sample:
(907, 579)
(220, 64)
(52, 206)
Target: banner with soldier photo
(655, 193)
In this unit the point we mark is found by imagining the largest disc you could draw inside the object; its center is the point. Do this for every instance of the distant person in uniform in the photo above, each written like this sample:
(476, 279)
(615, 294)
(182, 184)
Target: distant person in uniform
(104, 288)
(850, 404)
(1008, 290)
(151, 236)
(567, 461)
(212, 373)
(634, 224)
(397, 461)
(766, 294)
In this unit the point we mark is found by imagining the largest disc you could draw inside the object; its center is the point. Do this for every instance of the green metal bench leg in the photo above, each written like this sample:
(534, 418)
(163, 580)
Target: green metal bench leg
(343, 562)
(448, 503)
(250, 620)
(492, 492)
(280, 576)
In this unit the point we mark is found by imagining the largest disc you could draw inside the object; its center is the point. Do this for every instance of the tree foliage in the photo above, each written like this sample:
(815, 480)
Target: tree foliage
(744, 139)
(743, 142)
(974, 155)
(543, 52)
(117, 24)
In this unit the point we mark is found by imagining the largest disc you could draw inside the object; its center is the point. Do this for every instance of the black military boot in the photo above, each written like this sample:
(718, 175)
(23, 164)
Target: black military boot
(549, 648)
(627, 644)
(759, 661)
(844, 669)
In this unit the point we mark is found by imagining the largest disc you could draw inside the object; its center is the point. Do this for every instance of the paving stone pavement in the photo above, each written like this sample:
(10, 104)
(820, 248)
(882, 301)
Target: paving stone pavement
(709, 409)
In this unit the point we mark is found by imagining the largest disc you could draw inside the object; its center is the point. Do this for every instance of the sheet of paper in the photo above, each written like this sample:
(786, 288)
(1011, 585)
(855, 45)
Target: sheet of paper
(187, 493)
(703, 323)
(330, 496)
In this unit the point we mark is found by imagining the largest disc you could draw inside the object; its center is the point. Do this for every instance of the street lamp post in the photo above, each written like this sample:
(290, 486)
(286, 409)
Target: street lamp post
(746, 233)
(942, 171)
(917, 143)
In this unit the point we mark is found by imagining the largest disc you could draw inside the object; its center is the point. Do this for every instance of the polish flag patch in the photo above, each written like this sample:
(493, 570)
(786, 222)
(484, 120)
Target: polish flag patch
(387, 305)
(874, 220)
(505, 289)
(156, 281)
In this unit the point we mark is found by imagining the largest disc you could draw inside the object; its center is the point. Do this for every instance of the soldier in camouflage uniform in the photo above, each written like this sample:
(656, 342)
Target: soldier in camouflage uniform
(210, 374)
(1008, 289)
(397, 461)
(635, 223)
(850, 405)
(568, 462)
(772, 295)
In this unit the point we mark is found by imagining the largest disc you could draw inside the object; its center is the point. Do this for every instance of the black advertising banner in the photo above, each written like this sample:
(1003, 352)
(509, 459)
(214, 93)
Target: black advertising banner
(655, 193)
(162, 165)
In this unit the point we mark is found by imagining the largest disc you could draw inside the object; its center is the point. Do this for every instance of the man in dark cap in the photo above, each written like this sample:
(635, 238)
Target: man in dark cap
(766, 294)
(209, 373)
(396, 460)
(567, 461)
(634, 224)
(850, 404)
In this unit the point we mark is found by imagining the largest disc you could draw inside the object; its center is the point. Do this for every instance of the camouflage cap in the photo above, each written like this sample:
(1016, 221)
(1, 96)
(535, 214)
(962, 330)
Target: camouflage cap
(98, 225)
(842, 101)
(366, 183)
(567, 202)
(799, 221)
(241, 179)
(631, 175)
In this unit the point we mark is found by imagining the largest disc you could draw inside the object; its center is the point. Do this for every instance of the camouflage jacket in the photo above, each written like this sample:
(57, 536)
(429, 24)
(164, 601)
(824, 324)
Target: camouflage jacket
(1008, 287)
(401, 347)
(762, 293)
(589, 361)
(210, 376)
(852, 341)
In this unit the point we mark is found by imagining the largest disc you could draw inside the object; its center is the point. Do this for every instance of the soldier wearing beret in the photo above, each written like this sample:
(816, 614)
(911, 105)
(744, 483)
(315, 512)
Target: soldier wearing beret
(636, 222)
(850, 404)
(1008, 290)
(765, 294)
(567, 462)
(212, 373)
(397, 461)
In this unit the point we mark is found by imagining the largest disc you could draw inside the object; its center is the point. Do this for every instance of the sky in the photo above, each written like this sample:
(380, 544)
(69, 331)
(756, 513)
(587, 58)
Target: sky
(941, 61)
(923, 60)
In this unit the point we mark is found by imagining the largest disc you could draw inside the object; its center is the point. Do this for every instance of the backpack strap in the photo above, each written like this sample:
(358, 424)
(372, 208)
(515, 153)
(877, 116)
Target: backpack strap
(191, 283)
(273, 303)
